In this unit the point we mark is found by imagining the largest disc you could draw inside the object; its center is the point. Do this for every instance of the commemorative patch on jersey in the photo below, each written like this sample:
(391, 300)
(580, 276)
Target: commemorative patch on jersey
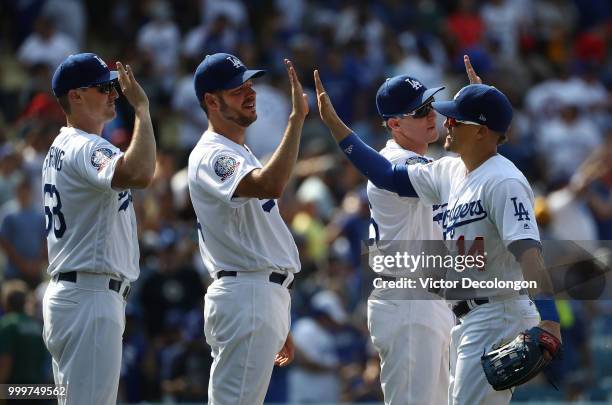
(413, 160)
(101, 157)
(225, 166)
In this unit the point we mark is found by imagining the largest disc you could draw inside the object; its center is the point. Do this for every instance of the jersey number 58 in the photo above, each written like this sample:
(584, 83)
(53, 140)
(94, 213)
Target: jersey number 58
(53, 211)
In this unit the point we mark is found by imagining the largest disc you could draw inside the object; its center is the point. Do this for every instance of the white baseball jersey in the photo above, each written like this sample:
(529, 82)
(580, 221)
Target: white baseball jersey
(409, 329)
(90, 226)
(239, 234)
(395, 218)
(493, 203)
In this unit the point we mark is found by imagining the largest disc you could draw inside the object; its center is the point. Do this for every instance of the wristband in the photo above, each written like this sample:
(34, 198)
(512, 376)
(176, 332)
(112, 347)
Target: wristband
(547, 308)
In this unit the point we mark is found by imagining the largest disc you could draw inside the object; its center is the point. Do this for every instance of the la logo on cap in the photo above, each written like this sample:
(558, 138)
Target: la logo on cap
(101, 61)
(235, 61)
(415, 84)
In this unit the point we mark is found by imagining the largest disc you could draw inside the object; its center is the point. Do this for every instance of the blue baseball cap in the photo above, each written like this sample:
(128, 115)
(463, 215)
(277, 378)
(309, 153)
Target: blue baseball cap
(402, 94)
(80, 70)
(481, 104)
(221, 71)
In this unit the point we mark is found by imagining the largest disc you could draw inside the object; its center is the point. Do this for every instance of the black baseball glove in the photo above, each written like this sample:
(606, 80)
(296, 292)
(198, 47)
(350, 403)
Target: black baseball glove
(520, 360)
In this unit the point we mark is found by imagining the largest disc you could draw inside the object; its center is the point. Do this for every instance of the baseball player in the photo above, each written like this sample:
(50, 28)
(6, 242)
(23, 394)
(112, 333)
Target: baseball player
(244, 242)
(489, 208)
(411, 332)
(91, 226)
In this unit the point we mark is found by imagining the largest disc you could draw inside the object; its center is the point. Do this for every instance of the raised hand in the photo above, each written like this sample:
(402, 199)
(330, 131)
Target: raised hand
(328, 112)
(135, 95)
(299, 99)
(474, 78)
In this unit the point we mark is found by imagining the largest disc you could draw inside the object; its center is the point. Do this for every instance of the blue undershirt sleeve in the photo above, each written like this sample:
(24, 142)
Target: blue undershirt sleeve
(518, 247)
(376, 168)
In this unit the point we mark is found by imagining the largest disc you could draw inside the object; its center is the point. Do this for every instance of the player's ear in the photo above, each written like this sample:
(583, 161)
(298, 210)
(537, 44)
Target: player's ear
(393, 123)
(74, 96)
(210, 101)
(483, 132)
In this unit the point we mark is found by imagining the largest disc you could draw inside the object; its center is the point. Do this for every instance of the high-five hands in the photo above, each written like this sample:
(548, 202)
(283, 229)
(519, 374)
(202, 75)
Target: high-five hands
(328, 112)
(474, 78)
(299, 99)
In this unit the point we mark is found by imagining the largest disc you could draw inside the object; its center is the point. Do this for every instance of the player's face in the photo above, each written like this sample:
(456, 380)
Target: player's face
(420, 128)
(238, 104)
(99, 101)
(459, 135)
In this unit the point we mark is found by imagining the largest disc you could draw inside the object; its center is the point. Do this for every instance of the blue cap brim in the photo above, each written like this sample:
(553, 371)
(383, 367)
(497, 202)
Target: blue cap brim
(107, 78)
(448, 109)
(243, 77)
(429, 93)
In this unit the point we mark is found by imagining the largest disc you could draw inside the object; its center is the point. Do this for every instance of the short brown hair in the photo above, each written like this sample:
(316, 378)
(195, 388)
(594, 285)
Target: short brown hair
(63, 102)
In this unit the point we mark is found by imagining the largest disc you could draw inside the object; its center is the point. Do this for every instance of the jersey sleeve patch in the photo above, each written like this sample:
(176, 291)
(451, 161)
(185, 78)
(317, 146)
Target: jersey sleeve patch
(101, 157)
(413, 160)
(225, 166)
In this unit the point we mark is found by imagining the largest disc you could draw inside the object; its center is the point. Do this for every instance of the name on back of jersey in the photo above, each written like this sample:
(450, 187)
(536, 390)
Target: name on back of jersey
(54, 159)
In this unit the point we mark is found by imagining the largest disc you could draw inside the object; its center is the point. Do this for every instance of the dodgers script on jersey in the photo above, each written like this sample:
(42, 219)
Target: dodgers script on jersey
(394, 217)
(239, 234)
(483, 211)
(81, 165)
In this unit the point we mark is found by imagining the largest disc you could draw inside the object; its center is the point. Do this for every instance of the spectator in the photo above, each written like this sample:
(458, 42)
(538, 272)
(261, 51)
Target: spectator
(159, 41)
(220, 35)
(23, 356)
(192, 123)
(234, 10)
(70, 18)
(10, 162)
(22, 235)
(172, 290)
(505, 22)
(314, 378)
(571, 137)
(464, 27)
(46, 45)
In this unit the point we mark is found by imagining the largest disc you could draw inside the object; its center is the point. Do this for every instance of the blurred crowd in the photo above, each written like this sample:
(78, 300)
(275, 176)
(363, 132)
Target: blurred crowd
(551, 57)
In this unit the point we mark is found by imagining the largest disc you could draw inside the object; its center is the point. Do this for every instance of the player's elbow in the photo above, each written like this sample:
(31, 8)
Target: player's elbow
(128, 174)
(273, 191)
(260, 184)
(132, 180)
(142, 181)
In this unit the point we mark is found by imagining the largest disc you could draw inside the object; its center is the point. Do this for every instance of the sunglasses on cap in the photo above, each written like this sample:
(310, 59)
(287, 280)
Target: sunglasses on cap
(453, 122)
(421, 112)
(104, 88)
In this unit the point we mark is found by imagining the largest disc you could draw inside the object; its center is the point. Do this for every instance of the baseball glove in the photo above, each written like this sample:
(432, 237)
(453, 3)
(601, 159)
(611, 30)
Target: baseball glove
(520, 360)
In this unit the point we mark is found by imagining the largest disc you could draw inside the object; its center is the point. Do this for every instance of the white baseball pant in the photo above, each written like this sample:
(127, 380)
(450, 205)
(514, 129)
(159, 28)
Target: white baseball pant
(412, 338)
(484, 326)
(83, 329)
(246, 323)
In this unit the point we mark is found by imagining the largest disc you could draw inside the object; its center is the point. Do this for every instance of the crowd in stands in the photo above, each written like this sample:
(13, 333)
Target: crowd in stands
(552, 58)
